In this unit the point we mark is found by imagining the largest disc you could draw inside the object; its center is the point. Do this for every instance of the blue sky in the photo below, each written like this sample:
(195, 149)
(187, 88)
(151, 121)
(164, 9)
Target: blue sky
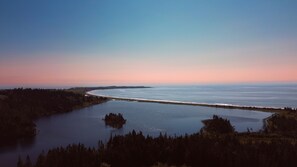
(142, 29)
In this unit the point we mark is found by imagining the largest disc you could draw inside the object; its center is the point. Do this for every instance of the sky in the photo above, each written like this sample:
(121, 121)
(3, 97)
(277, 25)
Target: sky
(143, 42)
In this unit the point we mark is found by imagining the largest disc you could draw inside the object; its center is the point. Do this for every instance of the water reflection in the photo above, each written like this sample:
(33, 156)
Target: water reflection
(15, 145)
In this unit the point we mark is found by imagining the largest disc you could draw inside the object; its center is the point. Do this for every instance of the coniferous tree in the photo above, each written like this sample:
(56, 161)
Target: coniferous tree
(28, 162)
(20, 162)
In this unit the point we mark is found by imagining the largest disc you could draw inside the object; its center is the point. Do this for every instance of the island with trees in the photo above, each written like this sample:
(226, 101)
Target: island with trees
(114, 120)
(217, 125)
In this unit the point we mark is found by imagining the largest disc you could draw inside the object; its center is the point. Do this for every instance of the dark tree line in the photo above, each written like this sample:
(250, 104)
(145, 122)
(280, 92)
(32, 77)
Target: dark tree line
(284, 124)
(212, 146)
(20, 107)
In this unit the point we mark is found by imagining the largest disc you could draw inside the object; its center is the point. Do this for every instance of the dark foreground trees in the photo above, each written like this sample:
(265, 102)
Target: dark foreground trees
(221, 149)
(20, 107)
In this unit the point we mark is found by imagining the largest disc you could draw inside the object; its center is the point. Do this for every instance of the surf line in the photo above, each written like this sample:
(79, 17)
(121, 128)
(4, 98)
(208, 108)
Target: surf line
(216, 105)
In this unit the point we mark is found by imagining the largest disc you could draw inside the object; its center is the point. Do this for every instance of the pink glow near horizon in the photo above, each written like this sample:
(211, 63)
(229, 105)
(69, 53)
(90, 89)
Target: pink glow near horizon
(164, 70)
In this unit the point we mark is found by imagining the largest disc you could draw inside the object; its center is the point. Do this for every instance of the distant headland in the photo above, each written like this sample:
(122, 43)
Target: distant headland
(84, 90)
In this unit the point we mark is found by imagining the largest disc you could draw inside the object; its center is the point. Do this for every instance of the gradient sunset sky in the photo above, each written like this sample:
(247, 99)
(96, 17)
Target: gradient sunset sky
(135, 42)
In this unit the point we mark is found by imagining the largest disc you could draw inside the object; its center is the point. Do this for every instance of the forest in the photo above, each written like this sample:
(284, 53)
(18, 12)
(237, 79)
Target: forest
(216, 144)
(20, 107)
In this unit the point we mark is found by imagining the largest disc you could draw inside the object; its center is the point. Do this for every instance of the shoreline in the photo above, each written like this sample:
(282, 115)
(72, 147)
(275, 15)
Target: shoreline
(225, 106)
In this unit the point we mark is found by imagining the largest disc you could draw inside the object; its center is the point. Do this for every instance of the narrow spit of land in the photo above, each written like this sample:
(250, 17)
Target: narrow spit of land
(226, 106)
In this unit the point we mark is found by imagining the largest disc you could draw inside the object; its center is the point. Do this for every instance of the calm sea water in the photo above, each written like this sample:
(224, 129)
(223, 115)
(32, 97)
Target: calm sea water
(274, 95)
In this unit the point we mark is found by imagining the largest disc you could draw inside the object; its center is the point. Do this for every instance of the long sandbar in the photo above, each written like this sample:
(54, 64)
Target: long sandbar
(217, 105)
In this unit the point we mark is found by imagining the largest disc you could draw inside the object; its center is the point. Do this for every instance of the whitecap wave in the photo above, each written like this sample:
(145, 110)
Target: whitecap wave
(219, 105)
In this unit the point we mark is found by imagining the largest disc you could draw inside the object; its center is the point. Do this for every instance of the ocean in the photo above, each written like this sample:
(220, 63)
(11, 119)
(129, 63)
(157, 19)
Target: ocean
(254, 95)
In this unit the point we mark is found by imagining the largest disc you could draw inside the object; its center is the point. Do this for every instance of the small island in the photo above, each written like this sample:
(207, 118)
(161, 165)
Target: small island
(217, 125)
(114, 120)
